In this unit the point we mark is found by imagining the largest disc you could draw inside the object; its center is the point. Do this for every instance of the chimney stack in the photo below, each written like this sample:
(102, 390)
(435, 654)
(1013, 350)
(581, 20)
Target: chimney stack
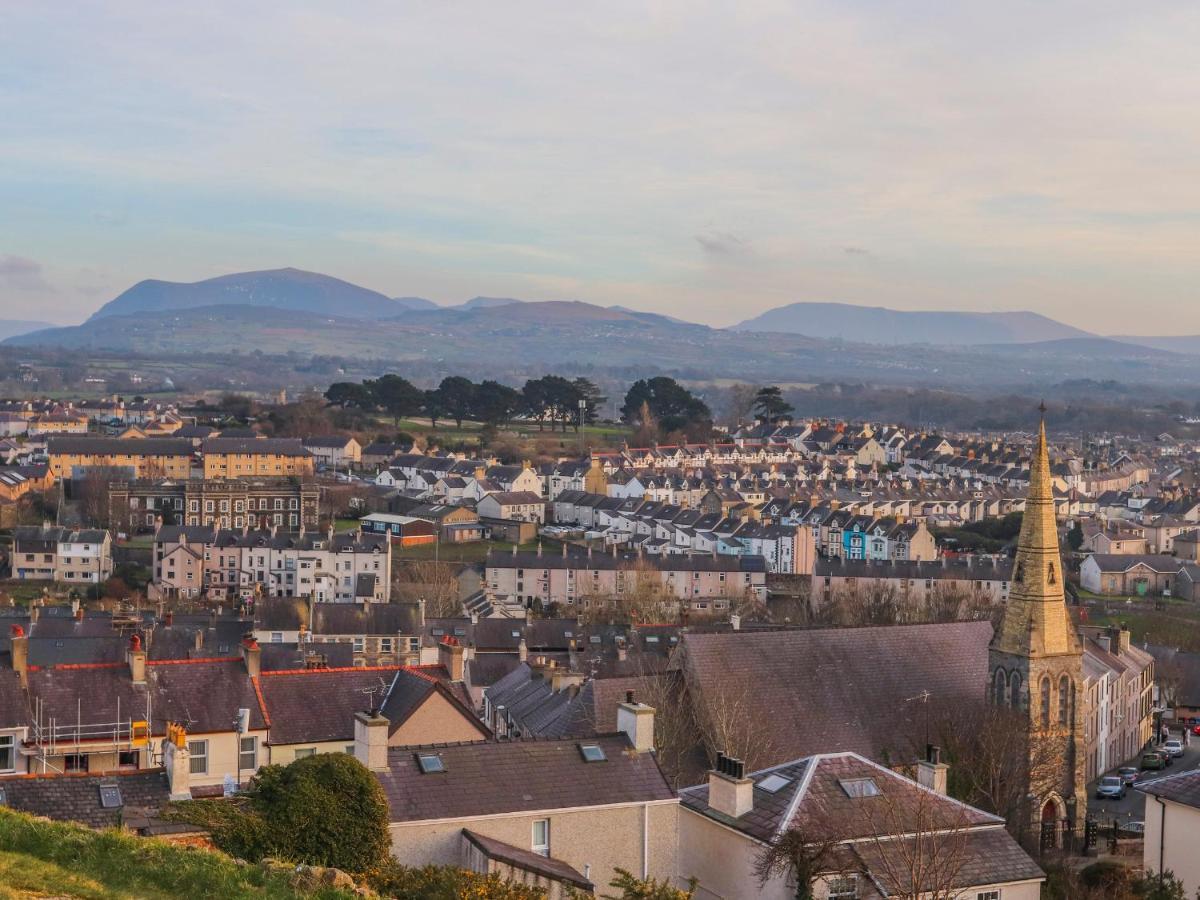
(735, 621)
(637, 721)
(136, 657)
(20, 654)
(370, 740)
(522, 650)
(450, 656)
(730, 792)
(251, 655)
(931, 771)
(177, 762)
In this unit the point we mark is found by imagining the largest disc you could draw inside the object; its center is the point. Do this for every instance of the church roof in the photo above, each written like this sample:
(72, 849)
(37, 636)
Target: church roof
(1036, 622)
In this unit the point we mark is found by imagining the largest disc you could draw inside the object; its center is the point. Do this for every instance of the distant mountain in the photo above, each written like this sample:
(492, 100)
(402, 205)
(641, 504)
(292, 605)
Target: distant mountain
(13, 327)
(878, 325)
(1183, 343)
(486, 302)
(289, 289)
(408, 303)
(522, 340)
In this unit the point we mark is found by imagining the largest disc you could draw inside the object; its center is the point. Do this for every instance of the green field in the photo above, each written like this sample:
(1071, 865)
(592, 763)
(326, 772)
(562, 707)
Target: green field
(474, 552)
(1177, 624)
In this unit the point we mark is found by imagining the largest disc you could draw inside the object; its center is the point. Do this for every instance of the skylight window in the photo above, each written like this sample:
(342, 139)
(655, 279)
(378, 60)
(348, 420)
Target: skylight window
(594, 639)
(592, 753)
(516, 634)
(652, 639)
(772, 784)
(430, 763)
(859, 787)
(110, 796)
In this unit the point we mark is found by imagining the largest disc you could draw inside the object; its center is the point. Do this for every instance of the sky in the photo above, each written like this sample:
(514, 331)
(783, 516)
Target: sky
(703, 160)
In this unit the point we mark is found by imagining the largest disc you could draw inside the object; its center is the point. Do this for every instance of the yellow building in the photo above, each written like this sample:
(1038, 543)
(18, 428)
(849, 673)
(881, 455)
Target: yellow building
(148, 458)
(250, 457)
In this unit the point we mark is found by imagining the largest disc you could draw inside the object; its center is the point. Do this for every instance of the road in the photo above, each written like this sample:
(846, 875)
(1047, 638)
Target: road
(1131, 808)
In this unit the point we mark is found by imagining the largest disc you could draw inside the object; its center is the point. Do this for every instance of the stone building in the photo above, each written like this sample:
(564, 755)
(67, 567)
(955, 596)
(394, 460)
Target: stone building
(1035, 661)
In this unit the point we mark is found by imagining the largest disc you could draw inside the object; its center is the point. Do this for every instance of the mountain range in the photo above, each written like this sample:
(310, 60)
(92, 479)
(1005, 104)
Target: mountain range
(878, 325)
(13, 327)
(797, 342)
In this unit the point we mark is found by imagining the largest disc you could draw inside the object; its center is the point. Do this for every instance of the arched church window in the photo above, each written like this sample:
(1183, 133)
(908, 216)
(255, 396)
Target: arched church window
(1052, 573)
(1064, 700)
(1000, 687)
(1020, 573)
(1014, 690)
(1045, 710)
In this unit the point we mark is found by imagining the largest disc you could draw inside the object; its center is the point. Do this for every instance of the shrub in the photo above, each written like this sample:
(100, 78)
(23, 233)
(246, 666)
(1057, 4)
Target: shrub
(325, 810)
(446, 883)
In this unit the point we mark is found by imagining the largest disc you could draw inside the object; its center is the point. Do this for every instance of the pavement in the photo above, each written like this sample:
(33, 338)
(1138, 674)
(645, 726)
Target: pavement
(1131, 809)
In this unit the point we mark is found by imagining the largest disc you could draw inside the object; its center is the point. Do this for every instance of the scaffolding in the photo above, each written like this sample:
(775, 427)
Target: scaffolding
(53, 736)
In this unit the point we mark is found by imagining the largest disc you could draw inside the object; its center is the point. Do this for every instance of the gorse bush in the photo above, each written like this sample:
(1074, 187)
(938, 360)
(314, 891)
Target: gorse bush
(446, 883)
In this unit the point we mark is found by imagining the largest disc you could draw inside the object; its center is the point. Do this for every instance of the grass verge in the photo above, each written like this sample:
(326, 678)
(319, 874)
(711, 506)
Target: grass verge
(40, 858)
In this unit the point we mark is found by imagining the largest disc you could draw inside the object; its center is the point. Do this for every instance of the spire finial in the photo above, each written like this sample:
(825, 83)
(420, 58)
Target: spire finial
(1042, 408)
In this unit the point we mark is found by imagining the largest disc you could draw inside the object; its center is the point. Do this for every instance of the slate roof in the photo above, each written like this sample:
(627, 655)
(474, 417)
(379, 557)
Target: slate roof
(495, 777)
(281, 656)
(317, 705)
(255, 446)
(80, 445)
(76, 798)
(810, 689)
(520, 858)
(1182, 788)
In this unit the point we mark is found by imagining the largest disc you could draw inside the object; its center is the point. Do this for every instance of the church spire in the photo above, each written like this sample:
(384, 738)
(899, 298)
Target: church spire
(1036, 622)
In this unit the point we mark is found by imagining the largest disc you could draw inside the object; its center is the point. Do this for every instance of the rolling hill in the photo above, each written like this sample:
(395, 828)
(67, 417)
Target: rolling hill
(879, 325)
(562, 336)
(13, 327)
(288, 289)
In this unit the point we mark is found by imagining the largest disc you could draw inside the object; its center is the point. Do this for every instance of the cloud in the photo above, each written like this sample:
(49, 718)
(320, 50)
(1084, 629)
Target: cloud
(856, 251)
(19, 273)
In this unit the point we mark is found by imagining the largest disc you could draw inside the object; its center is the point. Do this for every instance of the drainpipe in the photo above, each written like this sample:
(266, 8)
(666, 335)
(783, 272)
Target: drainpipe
(1162, 838)
(645, 840)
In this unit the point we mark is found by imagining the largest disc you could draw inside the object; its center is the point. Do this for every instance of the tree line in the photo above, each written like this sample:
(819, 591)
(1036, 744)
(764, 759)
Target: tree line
(656, 406)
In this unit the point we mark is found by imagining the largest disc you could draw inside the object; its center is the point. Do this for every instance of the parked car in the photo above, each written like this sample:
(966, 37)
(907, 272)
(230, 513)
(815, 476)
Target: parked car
(1111, 787)
(1174, 747)
(1196, 729)
(1138, 827)
(1153, 760)
(1128, 774)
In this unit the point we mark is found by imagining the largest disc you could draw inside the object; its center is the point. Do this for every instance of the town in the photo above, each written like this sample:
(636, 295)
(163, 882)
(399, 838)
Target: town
(793, 608)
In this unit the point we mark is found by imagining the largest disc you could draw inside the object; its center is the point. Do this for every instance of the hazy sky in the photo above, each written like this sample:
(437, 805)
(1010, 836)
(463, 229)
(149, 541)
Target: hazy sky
(703, 160)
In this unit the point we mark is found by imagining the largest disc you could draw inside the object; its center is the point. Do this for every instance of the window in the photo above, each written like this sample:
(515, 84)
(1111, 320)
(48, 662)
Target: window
(1064, 700)
(8, 752)
(844, 887)
(988, 895)
(430, 763)
(276, 637)
(128, 759)
(358, 645)
(1045, 711)
(1014, 692)
(773, 784)
(306, 752)
(1001, 687)
(859, 787)
(75, 762)
(248, 753)
(592, 753)
(541, 837)
(199, 757)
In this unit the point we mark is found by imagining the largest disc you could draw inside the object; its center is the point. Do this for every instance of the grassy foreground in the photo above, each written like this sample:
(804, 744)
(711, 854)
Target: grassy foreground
(53, 859)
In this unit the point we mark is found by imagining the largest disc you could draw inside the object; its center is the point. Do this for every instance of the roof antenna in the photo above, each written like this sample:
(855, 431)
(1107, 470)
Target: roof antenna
(924, 698)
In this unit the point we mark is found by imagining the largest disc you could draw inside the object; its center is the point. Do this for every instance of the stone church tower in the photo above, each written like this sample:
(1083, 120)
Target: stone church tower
(1035, 661)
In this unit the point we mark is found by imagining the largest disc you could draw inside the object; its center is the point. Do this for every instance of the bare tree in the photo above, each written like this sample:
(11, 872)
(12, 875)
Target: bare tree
(801, 859)
(994, 758)
(434, 582)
